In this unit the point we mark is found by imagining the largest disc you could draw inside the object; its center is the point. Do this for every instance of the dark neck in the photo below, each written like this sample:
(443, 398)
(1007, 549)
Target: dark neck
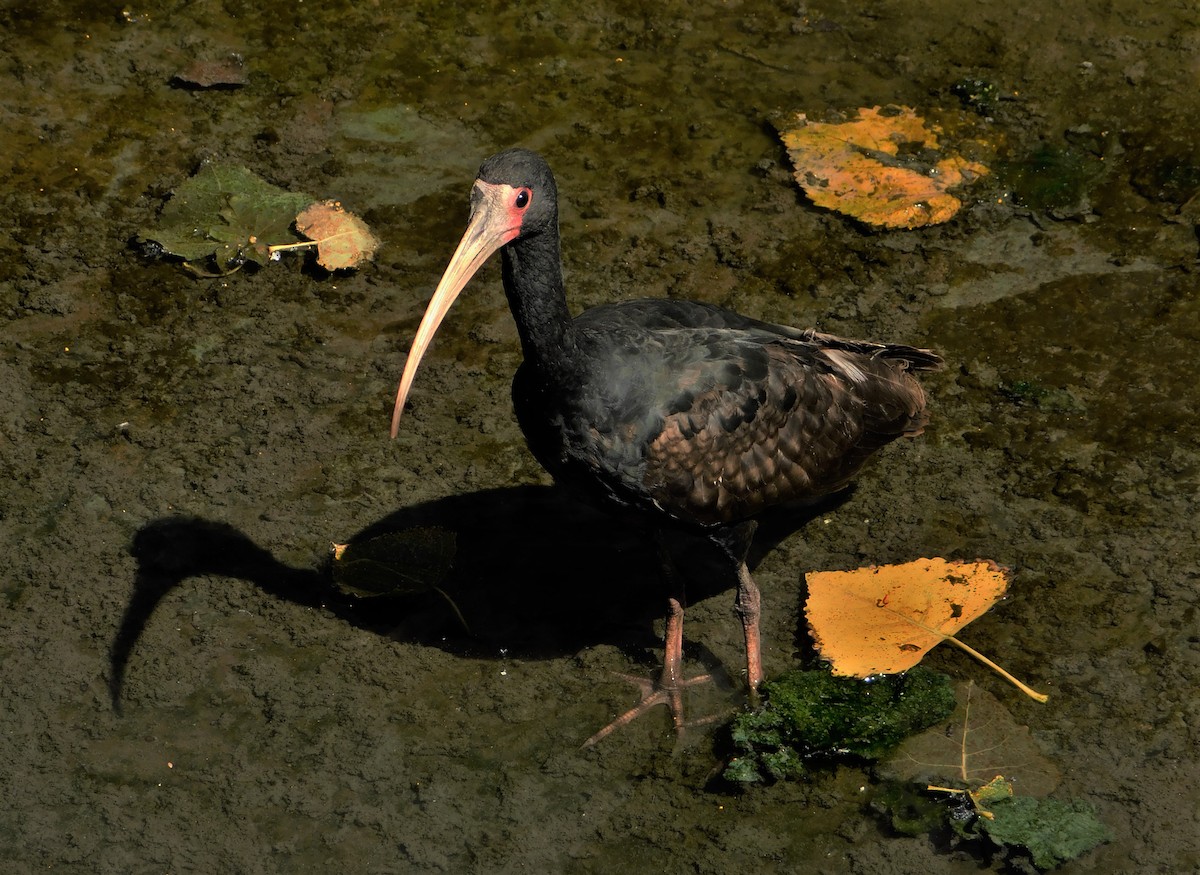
(534, 285)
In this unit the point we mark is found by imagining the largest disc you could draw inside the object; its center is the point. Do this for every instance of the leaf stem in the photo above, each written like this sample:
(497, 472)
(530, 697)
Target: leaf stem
(193, 268)
(453, 607)
(937, 789)
(1024, 688)
(280, 247)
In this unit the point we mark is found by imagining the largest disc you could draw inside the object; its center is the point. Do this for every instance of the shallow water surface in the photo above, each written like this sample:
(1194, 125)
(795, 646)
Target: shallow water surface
(181, 452)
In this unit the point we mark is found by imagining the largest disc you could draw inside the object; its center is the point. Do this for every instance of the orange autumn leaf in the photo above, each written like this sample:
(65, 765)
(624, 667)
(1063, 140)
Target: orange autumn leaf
(884, 619)
(342, 238)
(883, 166)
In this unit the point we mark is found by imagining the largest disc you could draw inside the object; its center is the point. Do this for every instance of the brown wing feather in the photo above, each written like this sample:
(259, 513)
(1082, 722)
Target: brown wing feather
(799, 433)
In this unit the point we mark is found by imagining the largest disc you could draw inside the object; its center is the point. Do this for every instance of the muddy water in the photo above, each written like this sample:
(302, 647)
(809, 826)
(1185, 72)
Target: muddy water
(180, 453)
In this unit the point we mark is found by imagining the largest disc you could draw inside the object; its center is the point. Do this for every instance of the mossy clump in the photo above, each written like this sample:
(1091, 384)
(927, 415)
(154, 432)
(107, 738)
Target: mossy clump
(811, 715)
(980, 95)
(1032, 394)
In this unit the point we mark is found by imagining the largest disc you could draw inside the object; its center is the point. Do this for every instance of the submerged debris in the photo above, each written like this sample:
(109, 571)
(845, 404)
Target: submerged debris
(884, 166)
(992, 777)
(224, 72)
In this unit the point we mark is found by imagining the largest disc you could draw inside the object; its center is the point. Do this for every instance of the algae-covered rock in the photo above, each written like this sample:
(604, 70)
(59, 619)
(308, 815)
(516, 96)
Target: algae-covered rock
(814, 715)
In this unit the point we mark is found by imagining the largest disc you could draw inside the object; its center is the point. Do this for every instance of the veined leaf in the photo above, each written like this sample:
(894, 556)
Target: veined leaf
(226, 212)
(980, 741)
(342, 238)
(884, 619)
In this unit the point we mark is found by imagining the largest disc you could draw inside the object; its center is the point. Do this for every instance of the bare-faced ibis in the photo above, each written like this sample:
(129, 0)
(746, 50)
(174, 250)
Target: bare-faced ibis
(682, 413)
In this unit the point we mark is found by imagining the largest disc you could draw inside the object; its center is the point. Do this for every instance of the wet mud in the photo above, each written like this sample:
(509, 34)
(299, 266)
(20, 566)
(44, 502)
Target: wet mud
(184, 689)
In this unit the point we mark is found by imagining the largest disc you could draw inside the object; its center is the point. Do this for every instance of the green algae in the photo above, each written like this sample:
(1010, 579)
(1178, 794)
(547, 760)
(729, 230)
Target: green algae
(812, 715)
(1052, 178)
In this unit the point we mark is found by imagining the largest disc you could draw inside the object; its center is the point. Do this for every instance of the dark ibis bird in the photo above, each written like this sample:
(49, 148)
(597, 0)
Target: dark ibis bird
(681, 413)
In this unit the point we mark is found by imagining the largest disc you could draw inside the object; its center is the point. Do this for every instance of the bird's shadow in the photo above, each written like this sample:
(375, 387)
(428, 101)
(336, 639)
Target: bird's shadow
(535, 573)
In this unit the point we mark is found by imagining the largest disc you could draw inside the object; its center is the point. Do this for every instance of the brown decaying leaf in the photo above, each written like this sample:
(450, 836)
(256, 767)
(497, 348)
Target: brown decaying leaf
(343, 239)
(856, 168)
(226, 72)
(401, 563)
(980, 741)
(884, 619)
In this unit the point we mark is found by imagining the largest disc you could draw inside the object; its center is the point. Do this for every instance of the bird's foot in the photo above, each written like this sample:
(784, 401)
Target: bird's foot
(656, 692)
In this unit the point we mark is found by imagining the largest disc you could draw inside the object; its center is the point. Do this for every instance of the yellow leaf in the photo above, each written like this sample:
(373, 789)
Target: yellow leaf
(343, 239)
(884, 619)
(862, 167)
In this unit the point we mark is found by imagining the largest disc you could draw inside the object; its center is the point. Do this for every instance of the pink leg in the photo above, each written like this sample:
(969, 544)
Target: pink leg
(671, 682)
(749, 608)
(668, 690)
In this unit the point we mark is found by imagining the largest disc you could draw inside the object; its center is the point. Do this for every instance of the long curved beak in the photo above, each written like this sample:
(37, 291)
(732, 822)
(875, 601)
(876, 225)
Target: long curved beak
(490, 227)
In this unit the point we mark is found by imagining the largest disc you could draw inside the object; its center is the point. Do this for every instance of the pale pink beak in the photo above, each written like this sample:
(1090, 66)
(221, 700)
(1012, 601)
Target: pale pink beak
(492, 225)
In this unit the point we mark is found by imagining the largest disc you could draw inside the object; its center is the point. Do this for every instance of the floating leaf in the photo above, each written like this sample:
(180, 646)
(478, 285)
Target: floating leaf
(342, 238)
(995, 790)
(980, 741)
(228, 213)
(405, 563)
(1000, 774)
(1052, 831)
(883, 167)
(884, 619)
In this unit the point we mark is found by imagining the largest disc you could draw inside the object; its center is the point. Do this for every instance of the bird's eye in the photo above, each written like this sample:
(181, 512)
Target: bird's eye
(522, 200)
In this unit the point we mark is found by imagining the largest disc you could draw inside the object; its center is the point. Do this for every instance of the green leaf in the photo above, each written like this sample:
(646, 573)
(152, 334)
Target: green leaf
(227, 212)
(1053, 831)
